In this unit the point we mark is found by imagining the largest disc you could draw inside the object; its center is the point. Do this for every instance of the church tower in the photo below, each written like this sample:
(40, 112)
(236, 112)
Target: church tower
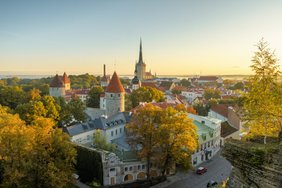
(140, 66)
(114, 96)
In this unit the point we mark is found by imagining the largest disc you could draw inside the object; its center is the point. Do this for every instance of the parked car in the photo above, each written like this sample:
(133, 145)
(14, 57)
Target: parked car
(201, 170)
(212, 183)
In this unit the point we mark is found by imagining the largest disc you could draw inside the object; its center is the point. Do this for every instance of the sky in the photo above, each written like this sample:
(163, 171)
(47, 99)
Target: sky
(179, 37)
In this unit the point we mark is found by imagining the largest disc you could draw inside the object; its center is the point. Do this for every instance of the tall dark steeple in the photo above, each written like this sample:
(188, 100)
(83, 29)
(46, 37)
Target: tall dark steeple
(140, 52)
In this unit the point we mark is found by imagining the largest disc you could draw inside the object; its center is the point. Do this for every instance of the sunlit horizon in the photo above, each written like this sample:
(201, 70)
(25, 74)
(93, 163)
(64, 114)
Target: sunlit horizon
(179, 37)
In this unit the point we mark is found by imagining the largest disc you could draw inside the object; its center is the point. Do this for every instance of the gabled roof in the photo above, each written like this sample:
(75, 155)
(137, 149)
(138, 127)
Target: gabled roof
(221, 109)
(226, 129)
(57, 82)
(115, 85)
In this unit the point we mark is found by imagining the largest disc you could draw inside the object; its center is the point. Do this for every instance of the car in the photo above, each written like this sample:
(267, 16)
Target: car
(201, 170)
(212, 183)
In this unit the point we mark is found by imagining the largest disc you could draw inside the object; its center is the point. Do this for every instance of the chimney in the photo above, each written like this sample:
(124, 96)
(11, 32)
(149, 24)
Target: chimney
(104, 70)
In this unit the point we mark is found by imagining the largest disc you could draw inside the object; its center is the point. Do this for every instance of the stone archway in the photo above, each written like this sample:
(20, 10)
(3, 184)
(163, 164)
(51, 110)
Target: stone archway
(128, 177)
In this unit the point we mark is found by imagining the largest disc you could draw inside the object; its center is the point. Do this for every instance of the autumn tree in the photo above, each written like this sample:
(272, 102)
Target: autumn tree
(211, 93)
(177, 138)
(142, 133)
(34, 156)
(93, 99)
(162, 136)
(262, 108)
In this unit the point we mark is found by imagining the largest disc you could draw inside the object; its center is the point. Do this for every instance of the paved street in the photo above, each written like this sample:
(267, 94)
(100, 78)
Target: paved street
(218, 170)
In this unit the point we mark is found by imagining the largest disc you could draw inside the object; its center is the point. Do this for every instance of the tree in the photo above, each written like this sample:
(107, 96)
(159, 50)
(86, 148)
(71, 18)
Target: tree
(52, 107)
(145, 94)
(31, 110)
(76, 108)
(177, 139)
(142, 132)
(211, 93)
(12, 96)
(261, 107)
(33, 95)
(93, 99)
(34, 156)
(185, 82)
(100, 141)
(64, 113)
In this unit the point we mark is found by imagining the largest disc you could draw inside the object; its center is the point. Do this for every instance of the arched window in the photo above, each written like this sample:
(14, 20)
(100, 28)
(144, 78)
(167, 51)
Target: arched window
(141, 176)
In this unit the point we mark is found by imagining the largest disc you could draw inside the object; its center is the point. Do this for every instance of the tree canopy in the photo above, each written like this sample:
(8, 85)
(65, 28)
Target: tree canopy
(262, 108)
(93, 99)
(34, 156)
(162, 136)
(145, 94)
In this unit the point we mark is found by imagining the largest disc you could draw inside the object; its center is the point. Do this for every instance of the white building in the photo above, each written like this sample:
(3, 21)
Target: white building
(209, 138)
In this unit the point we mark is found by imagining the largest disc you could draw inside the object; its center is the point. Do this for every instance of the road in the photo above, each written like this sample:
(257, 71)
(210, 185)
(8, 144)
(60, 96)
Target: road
(219, 169)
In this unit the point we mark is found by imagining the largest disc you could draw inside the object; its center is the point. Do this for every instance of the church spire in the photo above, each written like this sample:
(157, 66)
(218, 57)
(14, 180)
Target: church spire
(140, 52)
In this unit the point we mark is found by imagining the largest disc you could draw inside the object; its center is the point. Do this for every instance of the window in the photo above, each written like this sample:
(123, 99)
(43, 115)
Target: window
(208, 144)
(119, 95)
(111, 95)
(212, 142)
(112, 133)
(143, 167)
(112, 169)
(139, 167)
(120, 130)
(130, 168)
(116, 131)
(125, 169)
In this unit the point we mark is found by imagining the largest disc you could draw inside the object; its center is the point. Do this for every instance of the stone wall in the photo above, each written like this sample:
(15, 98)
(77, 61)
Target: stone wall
(254, 165)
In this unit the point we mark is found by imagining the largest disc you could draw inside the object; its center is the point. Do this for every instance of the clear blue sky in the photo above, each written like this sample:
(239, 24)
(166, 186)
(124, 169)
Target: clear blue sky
(179, 36)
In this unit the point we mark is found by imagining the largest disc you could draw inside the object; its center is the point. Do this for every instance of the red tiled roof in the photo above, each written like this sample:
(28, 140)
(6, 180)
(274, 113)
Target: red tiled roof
(115, 85)
(66, 79)
(221, 109)
(180, 88)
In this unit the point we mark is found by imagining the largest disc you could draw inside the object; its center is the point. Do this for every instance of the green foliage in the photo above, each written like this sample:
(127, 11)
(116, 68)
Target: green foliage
(89, 165)
(211, 93)
(100, 142)
(83, 81)
(262, 108)
(174, 91)
(94, 97)
(185, 82)
(145, 94)
(76, 108)
(201, 109)
(11, 96)
(238, 85)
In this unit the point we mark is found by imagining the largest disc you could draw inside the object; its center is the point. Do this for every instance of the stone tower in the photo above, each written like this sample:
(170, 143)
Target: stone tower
(140, 66)
(57, 87)
(114, 96)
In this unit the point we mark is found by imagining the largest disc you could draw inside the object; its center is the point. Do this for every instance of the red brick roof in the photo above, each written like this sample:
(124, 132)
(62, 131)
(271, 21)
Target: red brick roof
(149, 84)
(221, 109)
(115, 85)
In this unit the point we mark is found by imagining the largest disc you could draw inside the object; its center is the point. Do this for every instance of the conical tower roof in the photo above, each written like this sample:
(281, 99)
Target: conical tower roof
(115, 85)
(66, 78)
